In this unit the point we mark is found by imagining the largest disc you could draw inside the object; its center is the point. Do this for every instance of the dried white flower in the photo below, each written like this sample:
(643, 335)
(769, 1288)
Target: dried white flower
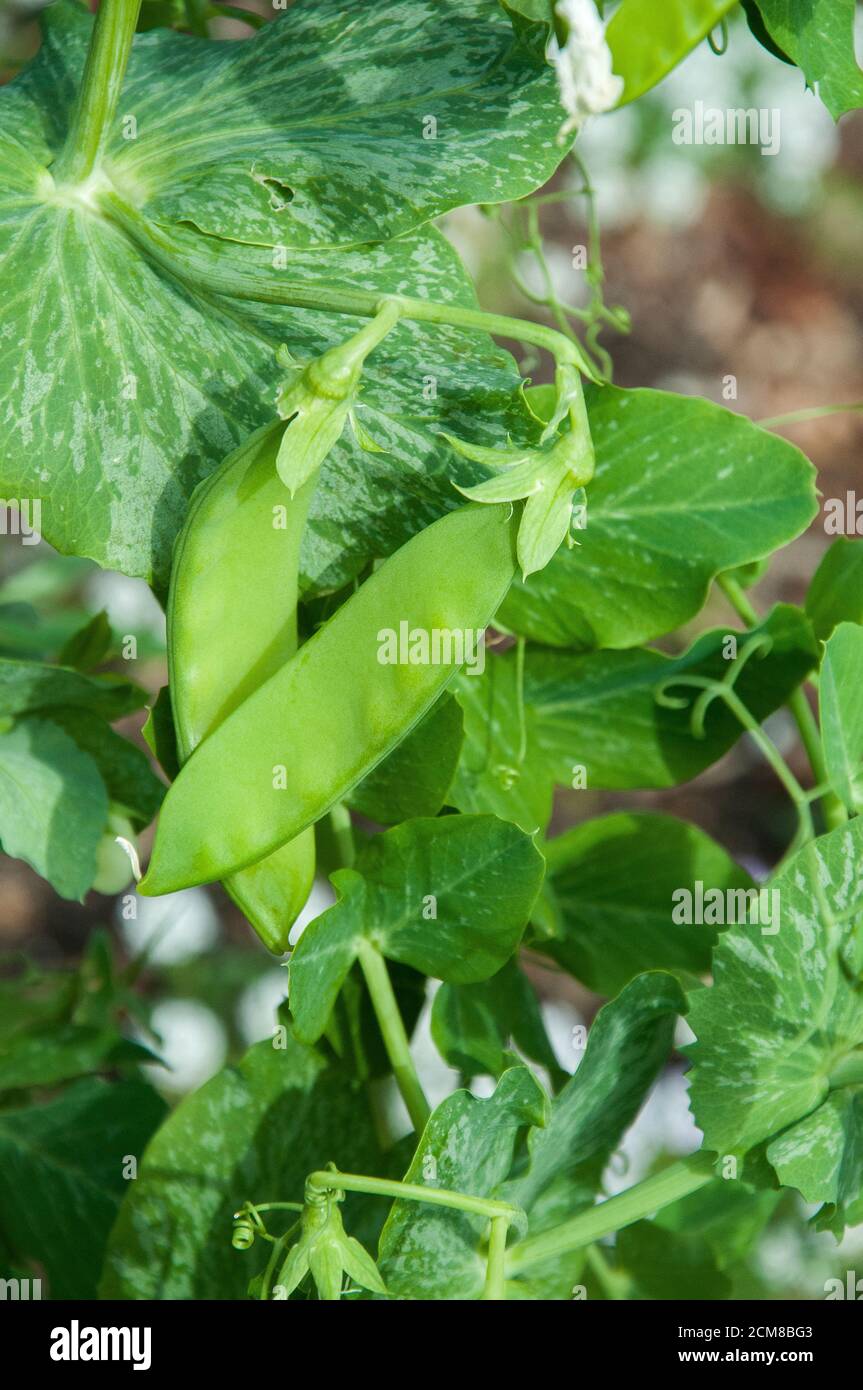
(583, 66)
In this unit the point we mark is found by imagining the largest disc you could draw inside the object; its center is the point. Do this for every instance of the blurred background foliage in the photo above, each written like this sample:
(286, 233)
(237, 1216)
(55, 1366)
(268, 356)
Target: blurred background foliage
(715, 262)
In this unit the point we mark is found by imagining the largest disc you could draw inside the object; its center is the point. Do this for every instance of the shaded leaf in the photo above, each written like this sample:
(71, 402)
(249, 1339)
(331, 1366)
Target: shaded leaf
(472, 1025)
(416, 777)
(836, 592)
(614, 882)
(449, 897)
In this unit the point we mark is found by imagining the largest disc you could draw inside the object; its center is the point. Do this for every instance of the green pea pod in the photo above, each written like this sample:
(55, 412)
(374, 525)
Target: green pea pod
(647, 39)
(299, 743)
(232, 623)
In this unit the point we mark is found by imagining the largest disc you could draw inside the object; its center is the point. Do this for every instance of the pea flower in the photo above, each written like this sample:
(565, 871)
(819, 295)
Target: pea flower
(583, 65)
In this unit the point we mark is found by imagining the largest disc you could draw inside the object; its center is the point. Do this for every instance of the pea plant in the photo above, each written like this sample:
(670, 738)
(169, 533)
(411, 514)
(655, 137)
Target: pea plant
(409, 593)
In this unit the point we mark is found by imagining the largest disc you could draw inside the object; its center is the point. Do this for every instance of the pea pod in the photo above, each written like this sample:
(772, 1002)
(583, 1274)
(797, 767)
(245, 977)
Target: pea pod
(647, 39)
(232, 623)
(307, 735)
(232, 612)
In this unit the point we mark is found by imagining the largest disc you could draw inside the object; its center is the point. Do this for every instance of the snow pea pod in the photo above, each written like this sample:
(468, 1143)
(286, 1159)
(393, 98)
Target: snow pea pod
(232, 623)
(307, 735)
(648, 39)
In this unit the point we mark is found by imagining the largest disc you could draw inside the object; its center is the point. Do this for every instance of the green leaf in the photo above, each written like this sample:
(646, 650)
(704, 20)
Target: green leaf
(467, 1146)
(627, 1047)
(592, 720)
(109, 359)
(836, 592)
(449, 897)
(683, 490)
(160, 735)
(501, 770)
(53, 805)
(472, 1025)
(784, 1015)
(64, 1051)
(26, 686)
(647, 40)
(614, 882)
(818, 35)
(728, 1214)
(62, 1176)
(822, 1156)
(130, 781)
(415, 778)
(668, 1264)
(88, 646)
(252, 1133)
(841, 708)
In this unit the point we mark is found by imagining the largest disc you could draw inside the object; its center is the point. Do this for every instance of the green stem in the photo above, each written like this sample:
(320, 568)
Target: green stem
(812, 412)
(801, 711)
(848, 1072)
(343, 833)
(201, 267)
(330, 1180)
(614, 1285)
(104, 72)
(386, 1008)
(682, 1178)
(495, 1277)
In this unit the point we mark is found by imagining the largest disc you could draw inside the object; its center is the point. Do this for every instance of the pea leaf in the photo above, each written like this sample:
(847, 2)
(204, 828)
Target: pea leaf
(592, 719)
(666, 1264)
(449, 897)
(53, 805)
(63, 1051)
(108, 358)
(129, 780)
(822, 1156)
(839, 687)
(88, 646)
(836, 592)
(627, 1046)
(728, 1215)
(26, 686)
(614, 881)
(467, 1146)
(62, 1178)
(683, 490)
(472, 1025)
(253, 1132)
(783, 1016)
(647, 41)
(818, 35)
(415, 778)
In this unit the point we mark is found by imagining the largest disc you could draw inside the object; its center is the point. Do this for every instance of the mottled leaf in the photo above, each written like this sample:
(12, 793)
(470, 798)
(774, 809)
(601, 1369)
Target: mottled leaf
(840, 688)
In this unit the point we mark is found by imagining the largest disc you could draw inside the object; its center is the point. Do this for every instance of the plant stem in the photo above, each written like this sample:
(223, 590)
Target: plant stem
(848, 1072)
(614, 1285)
(682, 1178)
(834, 812)
(104, 72)
(330, 1180)
(495, 1277)
(201, 267)
(812, 412)
(386, 1008)
(340, 821)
